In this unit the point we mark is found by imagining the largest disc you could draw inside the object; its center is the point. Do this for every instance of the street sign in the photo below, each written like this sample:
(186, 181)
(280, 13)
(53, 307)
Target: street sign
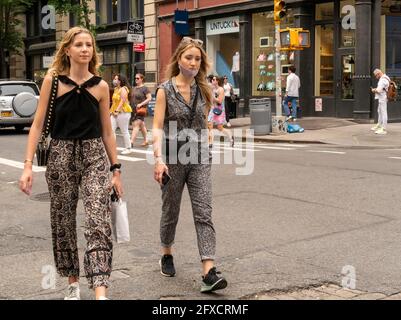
(135, 31)
(139, 47)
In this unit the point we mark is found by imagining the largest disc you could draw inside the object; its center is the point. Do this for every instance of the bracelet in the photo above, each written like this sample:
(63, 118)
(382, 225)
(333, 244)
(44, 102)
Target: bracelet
(115, 166)
(116, 170)
(28, 160)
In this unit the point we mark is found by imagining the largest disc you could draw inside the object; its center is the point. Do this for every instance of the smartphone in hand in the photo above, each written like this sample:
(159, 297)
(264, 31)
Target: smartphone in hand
(165, 179)
(114, 196)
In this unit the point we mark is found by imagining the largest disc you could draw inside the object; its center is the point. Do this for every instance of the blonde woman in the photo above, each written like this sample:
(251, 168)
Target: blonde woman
(82, 145)
(120, 111)
(141, 96)
(185, 99)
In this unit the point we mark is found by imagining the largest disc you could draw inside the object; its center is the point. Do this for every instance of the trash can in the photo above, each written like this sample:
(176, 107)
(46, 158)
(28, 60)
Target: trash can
(261, 116)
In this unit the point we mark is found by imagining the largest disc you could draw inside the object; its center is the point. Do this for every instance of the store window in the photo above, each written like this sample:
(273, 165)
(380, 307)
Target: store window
(347, 76)
(222, 45)
(347, 14)
(101, 11)
(324, 60)
(115, 60)
(263, 56)
(325, 11)
(393, 48)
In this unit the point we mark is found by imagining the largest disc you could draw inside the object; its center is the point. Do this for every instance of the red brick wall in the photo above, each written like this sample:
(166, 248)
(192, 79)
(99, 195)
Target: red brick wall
(169, 7)
(168, 41)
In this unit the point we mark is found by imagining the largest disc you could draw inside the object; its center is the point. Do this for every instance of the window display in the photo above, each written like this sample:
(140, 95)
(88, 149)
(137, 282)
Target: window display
(263, 62)
(324, 61)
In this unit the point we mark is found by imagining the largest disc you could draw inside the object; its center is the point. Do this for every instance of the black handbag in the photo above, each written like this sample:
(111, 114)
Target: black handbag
(42, 149)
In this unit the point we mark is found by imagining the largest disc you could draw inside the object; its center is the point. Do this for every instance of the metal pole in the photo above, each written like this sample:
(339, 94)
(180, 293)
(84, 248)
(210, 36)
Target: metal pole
(278, 70)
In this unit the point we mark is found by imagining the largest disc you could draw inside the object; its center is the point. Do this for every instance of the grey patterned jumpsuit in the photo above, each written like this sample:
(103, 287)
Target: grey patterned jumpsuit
(197, 176)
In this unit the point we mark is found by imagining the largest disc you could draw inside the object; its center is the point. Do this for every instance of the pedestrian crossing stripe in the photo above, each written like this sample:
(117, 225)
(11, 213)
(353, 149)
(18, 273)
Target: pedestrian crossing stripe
(132, 159)
(276, 148)
(20, 165)
(134, 150)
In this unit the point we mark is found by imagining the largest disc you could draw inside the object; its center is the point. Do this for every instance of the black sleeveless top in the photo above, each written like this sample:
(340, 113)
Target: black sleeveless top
(76, 113)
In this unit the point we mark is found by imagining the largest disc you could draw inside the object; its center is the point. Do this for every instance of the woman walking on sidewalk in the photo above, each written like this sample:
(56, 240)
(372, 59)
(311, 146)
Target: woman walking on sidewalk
(82, 140)
(185, 99)
(217, 114)
(120, 111)
(228, 99)
(140, 97)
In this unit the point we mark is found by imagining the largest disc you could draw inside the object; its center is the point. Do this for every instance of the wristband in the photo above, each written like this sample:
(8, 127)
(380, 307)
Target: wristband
(115, 166)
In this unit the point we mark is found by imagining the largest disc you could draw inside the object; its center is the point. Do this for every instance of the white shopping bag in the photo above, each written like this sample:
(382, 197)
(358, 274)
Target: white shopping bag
(119, 221)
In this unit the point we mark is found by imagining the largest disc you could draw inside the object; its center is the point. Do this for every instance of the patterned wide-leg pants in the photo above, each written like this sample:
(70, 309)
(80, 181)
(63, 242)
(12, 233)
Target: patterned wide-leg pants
(73, 164)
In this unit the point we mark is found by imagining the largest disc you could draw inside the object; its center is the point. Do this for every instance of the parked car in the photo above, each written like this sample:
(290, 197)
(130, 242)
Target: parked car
(18, 103)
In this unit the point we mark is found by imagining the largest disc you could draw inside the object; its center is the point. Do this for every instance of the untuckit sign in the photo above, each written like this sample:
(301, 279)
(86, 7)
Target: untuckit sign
(222, 25)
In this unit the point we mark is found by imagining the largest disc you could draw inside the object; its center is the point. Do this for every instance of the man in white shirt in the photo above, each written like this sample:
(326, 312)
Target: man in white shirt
(381, 95)
(292, 93)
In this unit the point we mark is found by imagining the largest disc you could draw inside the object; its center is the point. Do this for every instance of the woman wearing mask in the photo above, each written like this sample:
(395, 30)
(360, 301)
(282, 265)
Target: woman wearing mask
(141, 96)
(81, 148)
(120, 111)
(218, 119)
(182, 103)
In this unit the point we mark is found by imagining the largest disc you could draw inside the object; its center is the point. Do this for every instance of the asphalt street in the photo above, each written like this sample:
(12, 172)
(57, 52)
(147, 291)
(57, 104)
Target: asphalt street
(302, 215)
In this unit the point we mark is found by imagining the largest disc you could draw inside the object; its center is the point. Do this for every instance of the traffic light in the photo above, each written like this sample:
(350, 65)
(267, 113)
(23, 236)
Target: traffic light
(279, 10)
(294, 38)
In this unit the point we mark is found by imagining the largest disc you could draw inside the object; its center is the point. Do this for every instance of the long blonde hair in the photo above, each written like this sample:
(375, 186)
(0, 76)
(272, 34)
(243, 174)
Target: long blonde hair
(173, 69)
(61, 63)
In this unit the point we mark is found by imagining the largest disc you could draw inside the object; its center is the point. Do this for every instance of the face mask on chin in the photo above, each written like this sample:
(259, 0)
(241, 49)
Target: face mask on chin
(187, 73)
(115, 83)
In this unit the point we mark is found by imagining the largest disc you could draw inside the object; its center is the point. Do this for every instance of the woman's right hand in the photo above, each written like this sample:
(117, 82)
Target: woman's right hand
(26, 180)
(160, 167)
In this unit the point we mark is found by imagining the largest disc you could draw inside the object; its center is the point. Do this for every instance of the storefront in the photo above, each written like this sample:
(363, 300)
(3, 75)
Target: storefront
(263, 54)
(222, 46)
(349, 39)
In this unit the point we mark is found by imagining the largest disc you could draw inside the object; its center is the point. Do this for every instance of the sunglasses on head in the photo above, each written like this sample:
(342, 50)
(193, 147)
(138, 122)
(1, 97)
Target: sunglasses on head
(190, 40)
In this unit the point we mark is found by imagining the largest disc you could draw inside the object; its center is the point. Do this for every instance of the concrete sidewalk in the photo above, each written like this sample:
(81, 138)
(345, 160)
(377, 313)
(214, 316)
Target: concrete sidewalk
(333, 131)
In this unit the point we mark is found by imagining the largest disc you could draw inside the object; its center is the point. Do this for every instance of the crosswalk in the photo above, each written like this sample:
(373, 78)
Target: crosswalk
(143, 154)
(220, 149)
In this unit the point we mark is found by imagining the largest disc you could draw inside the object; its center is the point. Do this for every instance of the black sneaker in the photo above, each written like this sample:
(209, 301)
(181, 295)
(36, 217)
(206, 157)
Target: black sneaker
(212, 281)
(167, 265)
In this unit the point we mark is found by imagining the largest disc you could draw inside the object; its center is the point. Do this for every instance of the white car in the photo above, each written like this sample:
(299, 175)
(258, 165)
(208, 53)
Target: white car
(18, 103)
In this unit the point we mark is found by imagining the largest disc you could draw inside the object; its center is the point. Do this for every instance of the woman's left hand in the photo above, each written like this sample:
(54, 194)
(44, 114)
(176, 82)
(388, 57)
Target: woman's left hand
(116, 183)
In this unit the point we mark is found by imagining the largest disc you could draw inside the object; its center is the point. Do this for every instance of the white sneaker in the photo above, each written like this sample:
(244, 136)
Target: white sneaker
(103, 298)
(73, 292)
(381, 131)
(127, 151)
(228, 125)
(375, 128)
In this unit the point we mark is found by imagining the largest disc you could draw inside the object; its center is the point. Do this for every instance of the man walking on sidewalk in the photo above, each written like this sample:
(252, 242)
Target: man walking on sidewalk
(381, 95)
(291, 93)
